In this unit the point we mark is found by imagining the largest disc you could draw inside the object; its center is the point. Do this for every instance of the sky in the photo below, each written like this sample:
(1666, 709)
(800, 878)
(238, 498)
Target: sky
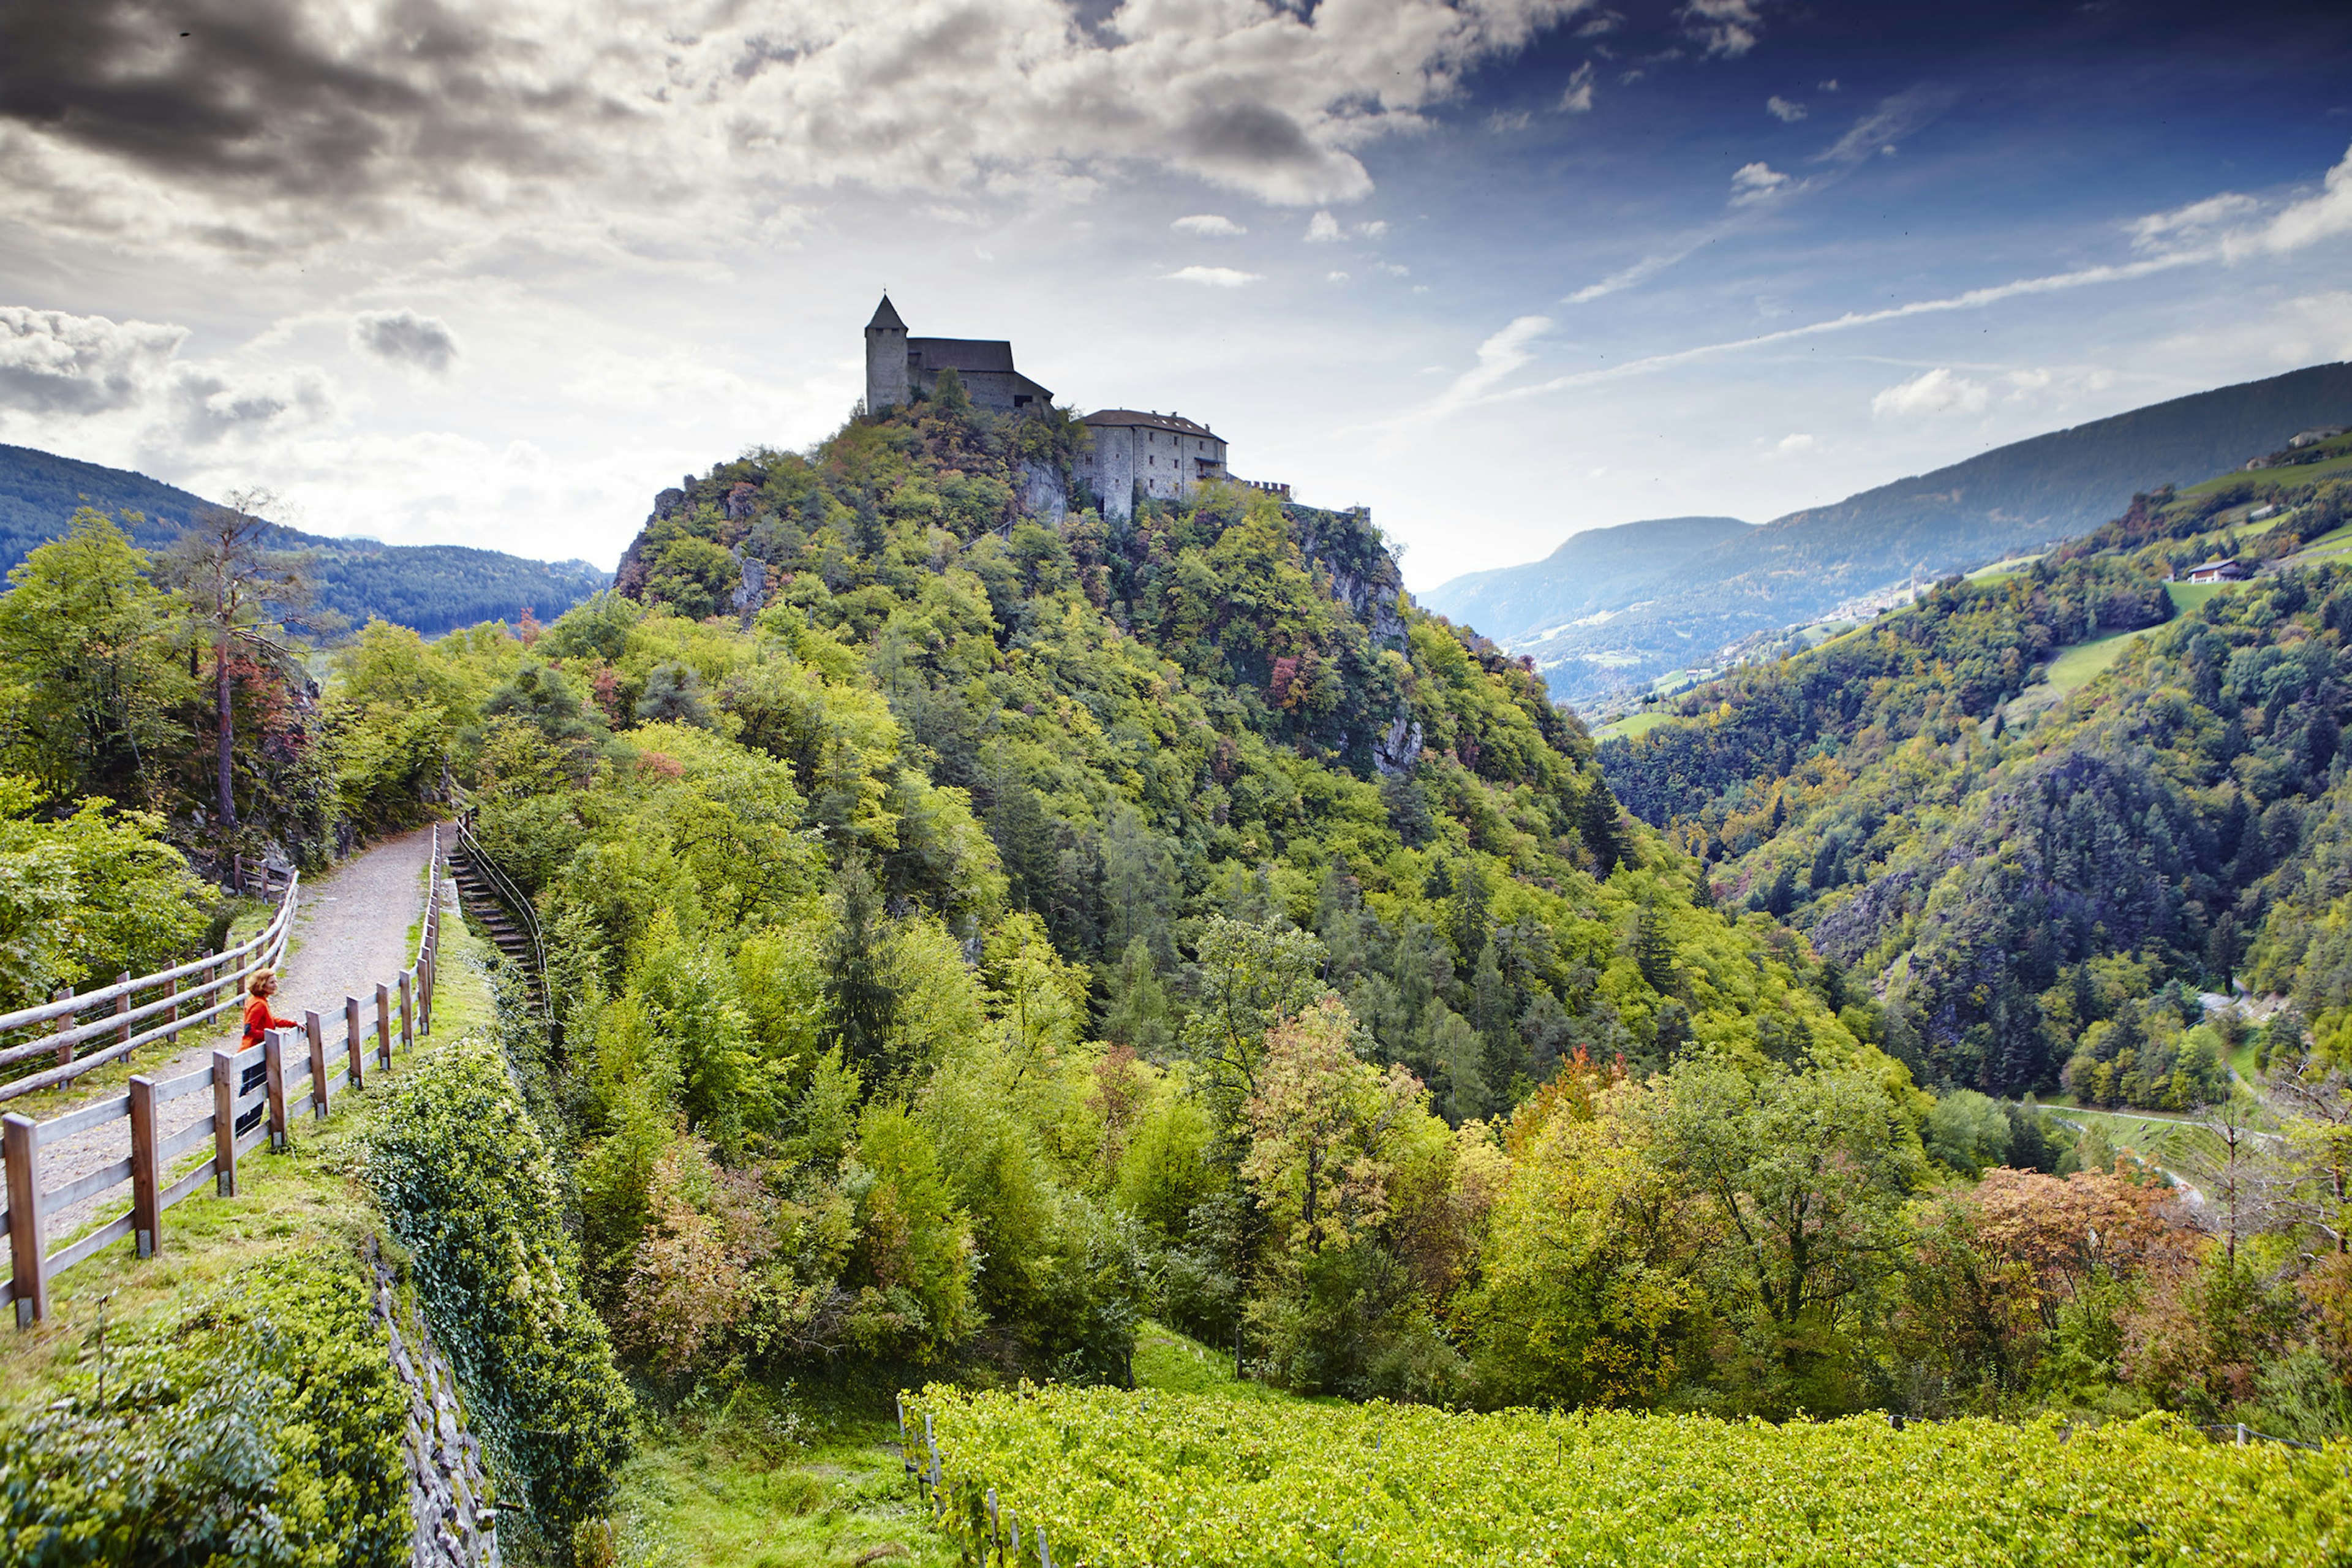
(495, 273)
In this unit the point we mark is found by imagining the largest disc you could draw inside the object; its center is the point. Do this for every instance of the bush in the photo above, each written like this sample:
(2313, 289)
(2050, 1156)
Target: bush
(262, 1427)
(468, 1184)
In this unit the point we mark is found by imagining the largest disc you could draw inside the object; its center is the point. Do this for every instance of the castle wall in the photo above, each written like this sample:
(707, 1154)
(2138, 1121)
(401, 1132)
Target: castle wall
(1132, 460)
(1112, 469)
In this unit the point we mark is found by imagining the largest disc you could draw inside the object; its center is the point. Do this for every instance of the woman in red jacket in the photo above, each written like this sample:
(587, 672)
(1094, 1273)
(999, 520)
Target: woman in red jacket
(258, 1018)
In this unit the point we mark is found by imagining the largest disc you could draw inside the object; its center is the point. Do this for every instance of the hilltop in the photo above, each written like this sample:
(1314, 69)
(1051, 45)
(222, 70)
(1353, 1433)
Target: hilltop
(2015, 499)
(434, 588)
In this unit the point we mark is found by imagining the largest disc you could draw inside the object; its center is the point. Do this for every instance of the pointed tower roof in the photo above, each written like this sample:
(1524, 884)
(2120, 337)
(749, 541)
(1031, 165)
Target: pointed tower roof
(886, 320)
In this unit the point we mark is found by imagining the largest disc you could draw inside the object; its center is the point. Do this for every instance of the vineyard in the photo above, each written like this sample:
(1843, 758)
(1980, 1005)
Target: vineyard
(1110, 1479)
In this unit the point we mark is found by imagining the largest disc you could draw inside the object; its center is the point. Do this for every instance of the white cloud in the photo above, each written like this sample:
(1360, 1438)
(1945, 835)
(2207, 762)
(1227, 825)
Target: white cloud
(1335, 277)
(1723, 27)
(1578, 97)
(1208, 224)
(1879, 131)
(124, 382)
(1212, 277)
(1794, 446)
(1787, 110)
(1372, 230)
(1931, 393)
(52, 362)
(1499, 356)
(407, 341)
(2195, 221)
(1753, 183)
(2327, 215)
(1391, 269)
(1502, 122)
(1323, 229)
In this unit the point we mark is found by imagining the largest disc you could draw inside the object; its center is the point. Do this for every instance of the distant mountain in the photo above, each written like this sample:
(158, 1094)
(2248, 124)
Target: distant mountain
(1589, 574)
(431, 587)
(1799, 567)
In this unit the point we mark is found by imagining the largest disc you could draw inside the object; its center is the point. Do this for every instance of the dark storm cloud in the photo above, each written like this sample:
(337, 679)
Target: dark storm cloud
(404, 339)
(1242, 138)
(251, 90)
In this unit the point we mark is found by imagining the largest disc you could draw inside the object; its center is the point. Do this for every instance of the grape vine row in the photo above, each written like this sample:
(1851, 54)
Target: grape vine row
(1116, 1479)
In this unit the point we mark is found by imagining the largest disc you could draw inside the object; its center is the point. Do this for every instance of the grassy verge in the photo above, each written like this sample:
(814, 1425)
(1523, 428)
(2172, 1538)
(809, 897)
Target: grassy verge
(285, 1203)
(745, 1488)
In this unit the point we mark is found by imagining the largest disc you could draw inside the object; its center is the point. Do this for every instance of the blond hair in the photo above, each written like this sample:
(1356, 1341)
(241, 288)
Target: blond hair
(263, 982)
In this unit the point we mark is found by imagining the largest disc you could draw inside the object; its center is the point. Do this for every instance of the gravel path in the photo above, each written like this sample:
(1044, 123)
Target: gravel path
(351, 931)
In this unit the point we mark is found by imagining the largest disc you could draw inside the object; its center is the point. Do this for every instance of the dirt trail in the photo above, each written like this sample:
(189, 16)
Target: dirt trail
(351, 931)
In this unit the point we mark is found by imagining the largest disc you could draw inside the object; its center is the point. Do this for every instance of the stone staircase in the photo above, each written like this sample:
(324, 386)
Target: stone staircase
(495, 908)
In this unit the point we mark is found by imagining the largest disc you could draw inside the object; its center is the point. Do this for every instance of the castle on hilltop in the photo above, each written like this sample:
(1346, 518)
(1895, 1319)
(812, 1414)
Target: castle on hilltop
(899, 366)
(1132, 453)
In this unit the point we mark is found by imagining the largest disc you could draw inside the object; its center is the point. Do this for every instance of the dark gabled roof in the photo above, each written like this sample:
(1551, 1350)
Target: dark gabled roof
(962, 354)
(1127, 416)
(886, 318)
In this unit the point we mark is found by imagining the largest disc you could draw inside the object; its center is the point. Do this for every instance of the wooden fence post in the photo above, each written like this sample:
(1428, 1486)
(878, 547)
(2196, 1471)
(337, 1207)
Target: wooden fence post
(64, 1025)
(408, 1009)
(122, 1005)
(225, 1123)
(315, 1028)
(237, 874)
(383, 1026)
(273, 1064)
(172, 989)
(19, 1142)
(146, 1171)
(351, 1042)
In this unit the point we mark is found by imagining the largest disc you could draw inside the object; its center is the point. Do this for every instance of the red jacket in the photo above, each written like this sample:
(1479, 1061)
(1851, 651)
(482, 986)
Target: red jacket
(258, 1019)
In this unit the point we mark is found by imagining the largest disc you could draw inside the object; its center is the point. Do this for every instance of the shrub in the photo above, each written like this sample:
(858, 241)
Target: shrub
(468, 1185)
(261, 1427)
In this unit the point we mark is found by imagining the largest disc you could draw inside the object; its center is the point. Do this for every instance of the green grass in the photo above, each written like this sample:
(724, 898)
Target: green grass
(2188, 598)
(1631, 726)
(2078, 665)
(740, 1489)
(2174, 1142)
(2001, 570)
(1174, 1362)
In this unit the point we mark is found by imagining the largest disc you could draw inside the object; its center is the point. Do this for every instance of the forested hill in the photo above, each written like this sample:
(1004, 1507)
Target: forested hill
(2015, 499)
(431, 587)
(2042, 809)
(1228, 708)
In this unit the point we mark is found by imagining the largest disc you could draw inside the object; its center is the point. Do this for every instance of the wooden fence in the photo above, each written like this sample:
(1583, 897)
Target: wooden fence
(176, 1000)
(250, 1087)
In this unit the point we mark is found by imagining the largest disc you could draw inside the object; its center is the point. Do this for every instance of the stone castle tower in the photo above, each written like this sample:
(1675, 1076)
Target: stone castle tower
(899, 366)
(885, 359)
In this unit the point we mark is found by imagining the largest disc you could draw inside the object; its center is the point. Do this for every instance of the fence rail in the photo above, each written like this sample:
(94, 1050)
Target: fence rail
(250, 1087)
(219, 981)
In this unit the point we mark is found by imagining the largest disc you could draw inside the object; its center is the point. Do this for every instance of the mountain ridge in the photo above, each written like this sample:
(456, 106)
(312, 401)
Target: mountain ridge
(2015, 497)
(433, 589)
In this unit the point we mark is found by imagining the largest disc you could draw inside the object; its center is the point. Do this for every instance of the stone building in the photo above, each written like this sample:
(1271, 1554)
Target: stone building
(1136, 454)
(899, 366)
